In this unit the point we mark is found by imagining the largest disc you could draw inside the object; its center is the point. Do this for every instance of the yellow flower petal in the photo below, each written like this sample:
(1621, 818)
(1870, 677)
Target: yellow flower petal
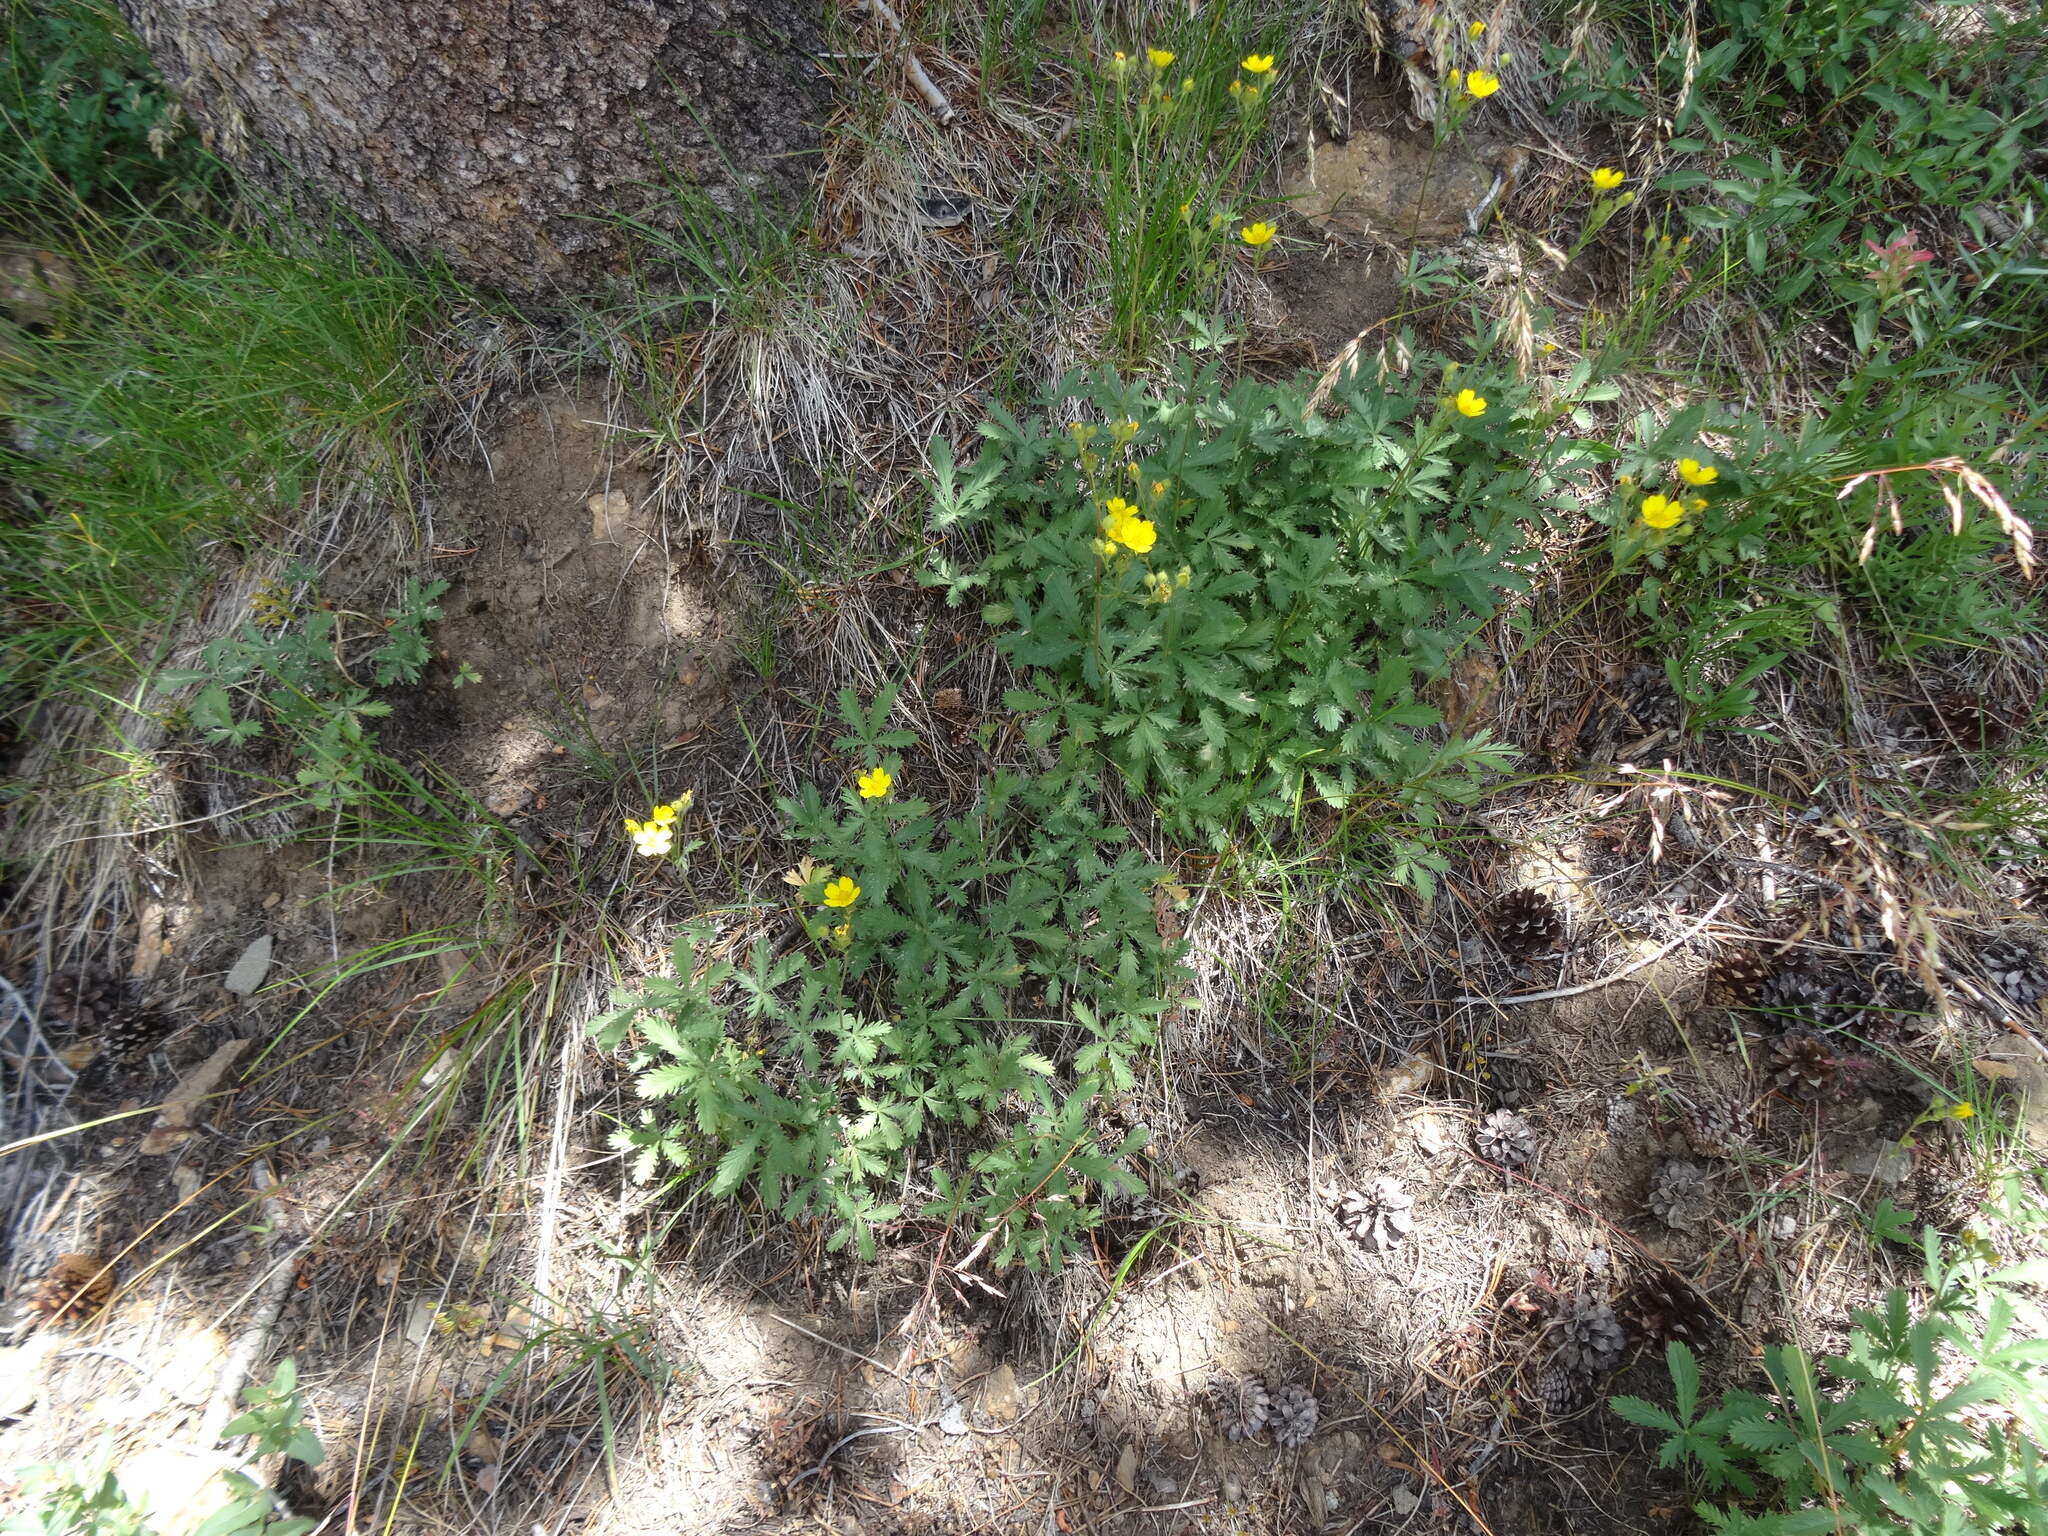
(1661, 511)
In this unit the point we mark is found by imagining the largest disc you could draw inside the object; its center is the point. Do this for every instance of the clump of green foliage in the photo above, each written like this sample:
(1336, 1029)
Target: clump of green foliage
(83, 116)
(290, 667)
(1933, 1420)
(70, 1499)
(1307, 573)
(947, 963)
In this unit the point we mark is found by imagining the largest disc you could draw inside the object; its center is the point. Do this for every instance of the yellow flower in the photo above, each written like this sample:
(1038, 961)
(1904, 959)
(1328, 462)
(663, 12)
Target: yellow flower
(1480, 85)
(1661, 511)
(1697, 504)
(842, 935)
(1607, 178)
(1693, 472)
(874, 784)
(1471, 402)
(651, 840)
(841, 892)
(1237, 87)
(1251, 96)
(1476, 31)
(1456, 79)
(1962, 1111)
(1121, 62)
(1187, 85)
(1104, 549)
(1137, 535)
(1159, 56)
(1256, 235)
(1257, 64)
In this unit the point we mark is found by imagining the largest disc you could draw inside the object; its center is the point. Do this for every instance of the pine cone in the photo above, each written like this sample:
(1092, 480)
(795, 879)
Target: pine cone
(1661, 1307)
(1240, 1406)
(1738, 978)
(1804, 995)
(75, 1288)
(1804, 1064)
(129, 1031)
(1716, 1126)
(1594, 1340)
(1966, 719)
(1378, 1217)
(1504, 1137)
(1293, 1411)
(1559, 1390)
(1526, 922)
(2016, 970)
(1679, 1196)
(78, 1001)
(1648, 702)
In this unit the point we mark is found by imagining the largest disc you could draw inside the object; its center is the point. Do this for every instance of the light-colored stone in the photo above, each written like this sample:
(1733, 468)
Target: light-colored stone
(1394, 186)
(250, 967)
(999, 1394)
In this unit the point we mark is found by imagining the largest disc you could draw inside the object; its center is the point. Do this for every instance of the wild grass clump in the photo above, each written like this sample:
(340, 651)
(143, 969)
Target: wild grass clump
(1167, 128)
(203, 381)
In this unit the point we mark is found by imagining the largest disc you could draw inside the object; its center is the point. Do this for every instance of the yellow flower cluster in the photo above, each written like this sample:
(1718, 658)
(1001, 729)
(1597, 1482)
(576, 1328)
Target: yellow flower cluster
(1121, 525)
(1662, 512)
(1258, 66)
(655, 837)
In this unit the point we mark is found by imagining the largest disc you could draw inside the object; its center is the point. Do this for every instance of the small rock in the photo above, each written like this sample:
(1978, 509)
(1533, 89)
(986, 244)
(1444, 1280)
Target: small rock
(509, 800)
(249, 969)
(999, 1394)
(954, 1420)
(1888, 1164)
(34, 284)
(1399, 186)
(610, 517)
